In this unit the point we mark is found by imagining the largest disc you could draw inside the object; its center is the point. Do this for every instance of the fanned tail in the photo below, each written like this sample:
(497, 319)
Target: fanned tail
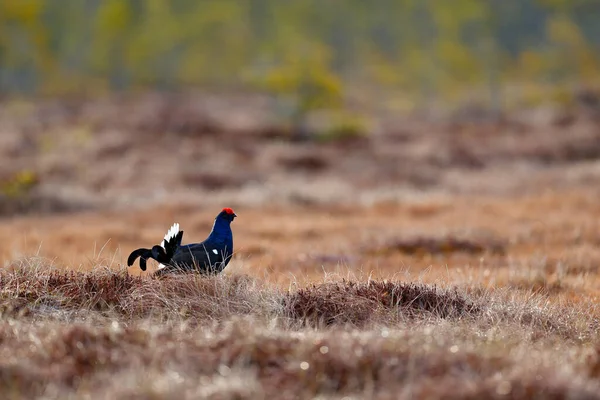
(172, 241)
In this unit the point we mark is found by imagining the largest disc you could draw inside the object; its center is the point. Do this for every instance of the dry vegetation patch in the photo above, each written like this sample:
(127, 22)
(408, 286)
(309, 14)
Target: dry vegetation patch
(105, 334)
(441, 245)
(245, 359)
(361, 303)
(32, 287)
(65, 142)
(46, 286)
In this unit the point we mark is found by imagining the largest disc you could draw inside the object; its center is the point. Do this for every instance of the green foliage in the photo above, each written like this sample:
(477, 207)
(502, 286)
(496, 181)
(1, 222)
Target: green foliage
(306, 76)
(307, 49)
(570, 51)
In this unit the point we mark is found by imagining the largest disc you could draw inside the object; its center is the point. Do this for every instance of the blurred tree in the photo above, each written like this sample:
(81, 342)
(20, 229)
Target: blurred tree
(306, 76)
(23, 45)
(458, 60)
(422, 49)
(113, 21)
(572, 56)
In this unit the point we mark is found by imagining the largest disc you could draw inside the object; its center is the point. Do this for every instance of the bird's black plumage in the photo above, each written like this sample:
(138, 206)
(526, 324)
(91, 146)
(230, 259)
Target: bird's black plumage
(208, 257)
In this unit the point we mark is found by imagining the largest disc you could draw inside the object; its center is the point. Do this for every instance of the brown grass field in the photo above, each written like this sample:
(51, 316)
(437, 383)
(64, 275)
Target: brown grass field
(423, 260)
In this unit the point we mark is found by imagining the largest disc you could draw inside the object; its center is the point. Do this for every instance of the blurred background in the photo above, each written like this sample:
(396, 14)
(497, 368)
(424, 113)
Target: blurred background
(124, 103)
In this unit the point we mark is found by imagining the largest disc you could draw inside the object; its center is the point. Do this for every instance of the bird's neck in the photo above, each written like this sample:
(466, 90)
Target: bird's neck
(221, 231)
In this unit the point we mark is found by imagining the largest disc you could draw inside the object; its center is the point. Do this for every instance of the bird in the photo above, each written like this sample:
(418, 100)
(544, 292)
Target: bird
(208, 257)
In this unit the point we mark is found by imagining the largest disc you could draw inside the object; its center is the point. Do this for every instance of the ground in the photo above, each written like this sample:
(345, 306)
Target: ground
(452, 259)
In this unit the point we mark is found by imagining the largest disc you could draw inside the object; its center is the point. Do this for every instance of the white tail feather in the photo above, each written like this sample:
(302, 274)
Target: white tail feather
(173, 231)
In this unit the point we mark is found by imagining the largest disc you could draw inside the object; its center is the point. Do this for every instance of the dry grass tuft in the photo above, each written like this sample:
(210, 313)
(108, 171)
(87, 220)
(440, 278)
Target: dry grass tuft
(27, 288)
(38, 285)
(199, 298)
(360, 303)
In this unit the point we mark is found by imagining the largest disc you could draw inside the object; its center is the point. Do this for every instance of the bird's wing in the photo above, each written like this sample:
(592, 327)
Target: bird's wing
(199, 255)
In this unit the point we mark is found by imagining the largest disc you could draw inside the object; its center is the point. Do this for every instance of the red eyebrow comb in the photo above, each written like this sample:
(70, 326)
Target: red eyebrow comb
(228, 210)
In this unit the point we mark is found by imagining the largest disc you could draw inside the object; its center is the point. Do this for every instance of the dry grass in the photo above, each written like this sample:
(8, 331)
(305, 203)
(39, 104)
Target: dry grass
(159, 147)
(546, 242)
(426, 260)
(106, 334)
(453, 297)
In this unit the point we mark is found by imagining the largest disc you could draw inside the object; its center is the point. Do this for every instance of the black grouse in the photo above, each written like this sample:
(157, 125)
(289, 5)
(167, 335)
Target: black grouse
(208, 257)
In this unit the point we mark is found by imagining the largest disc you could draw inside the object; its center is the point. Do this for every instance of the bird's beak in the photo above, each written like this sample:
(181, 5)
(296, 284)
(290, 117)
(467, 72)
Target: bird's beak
(234, 215)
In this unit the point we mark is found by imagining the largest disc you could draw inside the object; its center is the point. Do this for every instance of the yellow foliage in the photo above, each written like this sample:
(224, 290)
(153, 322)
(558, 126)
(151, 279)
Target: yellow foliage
(574, 54)
(463, 66)
(307, 76)
(531, 63)
(564, 31)
(113, 17)
(424, 48)
(344, 126)
(382, 69)
(22, 11)
(24, 17)
(19, 184)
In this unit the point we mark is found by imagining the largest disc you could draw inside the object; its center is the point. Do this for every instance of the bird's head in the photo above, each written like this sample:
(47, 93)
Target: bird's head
(227, 214)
